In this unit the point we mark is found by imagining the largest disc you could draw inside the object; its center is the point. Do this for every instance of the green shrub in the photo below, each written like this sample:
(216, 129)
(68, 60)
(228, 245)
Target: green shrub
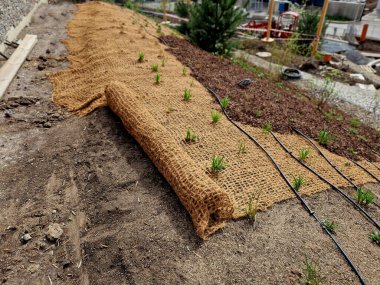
(375, 237)
(364, 197)
(215, 115)
(311, 274)
(213, 22)
(155, 67)
(330, 226)
(298, 182)
(324, 137)
(186, 94)
(190, 136)
(224, 102)
(355, 123)
(266, 127)
(217, 163)
(141, 57)
(303, 154)
(182, 8)
(157, 78)
(242, 147)
(184, 71)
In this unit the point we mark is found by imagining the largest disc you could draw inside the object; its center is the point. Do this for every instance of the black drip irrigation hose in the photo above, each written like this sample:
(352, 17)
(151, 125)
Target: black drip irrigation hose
(373, 164)
(366, 170)
(333, 165)
(302, 201)
(341, 192)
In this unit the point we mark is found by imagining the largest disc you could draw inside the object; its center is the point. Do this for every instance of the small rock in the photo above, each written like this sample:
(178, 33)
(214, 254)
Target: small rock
(41, 67)
(25, 238)
(11, 228)
(47, 125)
(7, 114)
(48, 51)
(66, 263)
(54, 232)
(245, 83)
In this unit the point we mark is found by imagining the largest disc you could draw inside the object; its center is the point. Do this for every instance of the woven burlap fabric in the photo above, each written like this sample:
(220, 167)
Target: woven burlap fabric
(104, 42)
(206, 202)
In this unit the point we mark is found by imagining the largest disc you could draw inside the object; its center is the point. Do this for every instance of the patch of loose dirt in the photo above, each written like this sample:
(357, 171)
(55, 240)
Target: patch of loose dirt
(279, 103)
(122, 222)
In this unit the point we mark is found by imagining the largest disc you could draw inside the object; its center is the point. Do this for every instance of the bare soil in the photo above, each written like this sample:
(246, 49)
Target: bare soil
(277, 102)
(122, 222)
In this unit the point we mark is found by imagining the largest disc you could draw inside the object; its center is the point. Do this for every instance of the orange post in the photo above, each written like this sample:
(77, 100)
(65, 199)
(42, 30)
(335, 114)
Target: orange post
(363, 36)
(164, 10)
(320, 27)
(268, 39)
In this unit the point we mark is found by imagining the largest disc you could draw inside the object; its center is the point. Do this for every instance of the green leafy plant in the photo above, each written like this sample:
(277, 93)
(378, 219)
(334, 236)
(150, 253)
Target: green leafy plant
(141, 57)
(258, 114)
(329, 225)
(324, 137)
(266, 127)
(186, 94)
(375, 237)
(155, 67)
(157, 78)
(215, 115)
(312, 275)
(242, 149)
(303, 153)
(355, 123)
(327, 90)
(364, 197)
(213, 22)
(158, 30)
(190, 136)
(352, 151)
(224, 102)
(298, 182)
(184, 71)
(217, 164)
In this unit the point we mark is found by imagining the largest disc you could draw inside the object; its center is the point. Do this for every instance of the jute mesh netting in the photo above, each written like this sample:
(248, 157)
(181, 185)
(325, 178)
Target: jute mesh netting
(104, 43)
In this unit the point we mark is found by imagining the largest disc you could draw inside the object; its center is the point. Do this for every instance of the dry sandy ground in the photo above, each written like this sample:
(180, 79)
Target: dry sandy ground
(122, 222)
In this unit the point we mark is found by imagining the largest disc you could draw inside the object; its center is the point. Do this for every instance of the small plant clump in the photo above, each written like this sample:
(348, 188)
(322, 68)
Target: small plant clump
(242, 149)
(267, 127)
(355, 123)
(330, 226)
(157, 78)
(155, 67)
(184, 71)
(215, 115)
(217, 164)
(324, 137)
(163, 62)
(375, 237)
(311, 274)
(364, 197)
(303, 154)
(190, 136)
(224, 102)
(159, 31)
(298, 182)
(187, 94)
(252, 207)
(141, 57)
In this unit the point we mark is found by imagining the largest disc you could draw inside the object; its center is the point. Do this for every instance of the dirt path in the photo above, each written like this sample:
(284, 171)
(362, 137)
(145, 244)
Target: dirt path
(122, 223)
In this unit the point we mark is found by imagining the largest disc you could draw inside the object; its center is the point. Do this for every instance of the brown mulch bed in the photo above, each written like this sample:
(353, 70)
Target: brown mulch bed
(280, 103)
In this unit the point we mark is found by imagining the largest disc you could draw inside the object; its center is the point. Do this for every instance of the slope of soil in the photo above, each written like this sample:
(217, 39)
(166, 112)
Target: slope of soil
(279, 103)
(122, 223)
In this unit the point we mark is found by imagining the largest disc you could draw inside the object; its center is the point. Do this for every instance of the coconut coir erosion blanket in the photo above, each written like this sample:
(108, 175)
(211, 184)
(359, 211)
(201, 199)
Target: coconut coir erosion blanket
(104, 42)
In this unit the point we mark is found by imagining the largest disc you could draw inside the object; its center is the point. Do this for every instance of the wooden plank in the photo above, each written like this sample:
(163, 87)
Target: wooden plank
(9, 70)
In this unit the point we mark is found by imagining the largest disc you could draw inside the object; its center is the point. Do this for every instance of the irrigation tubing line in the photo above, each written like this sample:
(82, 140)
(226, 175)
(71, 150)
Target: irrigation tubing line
(373, 164)
(366, 170)
(355, 204)
(302, 201)
(333, 165)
